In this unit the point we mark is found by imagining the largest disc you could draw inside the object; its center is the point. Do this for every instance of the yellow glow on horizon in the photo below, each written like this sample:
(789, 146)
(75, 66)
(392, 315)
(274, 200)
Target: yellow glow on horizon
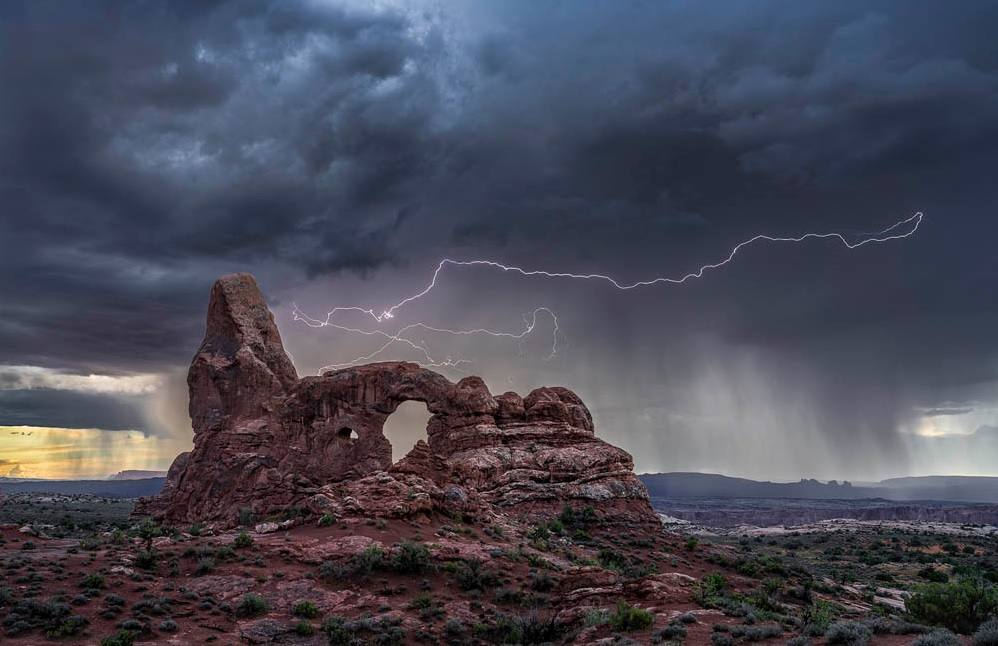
(70, 453)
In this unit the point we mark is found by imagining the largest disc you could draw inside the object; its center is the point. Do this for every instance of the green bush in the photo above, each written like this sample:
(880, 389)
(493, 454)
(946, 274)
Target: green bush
(627, 618)
(710, 587)
(932, 574)
(411, 558)
(68, 627)
(961, 606)
(243, 539)
(120, 638)
(92, 582)
(146, 559)
(205, 566)
(304, 629)
(305, 609)
(848, 633)
(252, 605)
(472, 575)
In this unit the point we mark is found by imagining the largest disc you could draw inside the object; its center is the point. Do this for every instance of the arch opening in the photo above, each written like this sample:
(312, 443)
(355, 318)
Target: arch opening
(405, 427)
(346, 434)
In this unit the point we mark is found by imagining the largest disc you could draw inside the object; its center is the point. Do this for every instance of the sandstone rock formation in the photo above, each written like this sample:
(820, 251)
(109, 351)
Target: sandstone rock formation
(267, 442)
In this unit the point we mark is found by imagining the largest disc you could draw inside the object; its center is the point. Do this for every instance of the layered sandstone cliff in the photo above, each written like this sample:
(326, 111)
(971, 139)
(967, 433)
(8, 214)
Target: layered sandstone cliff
(267, 441)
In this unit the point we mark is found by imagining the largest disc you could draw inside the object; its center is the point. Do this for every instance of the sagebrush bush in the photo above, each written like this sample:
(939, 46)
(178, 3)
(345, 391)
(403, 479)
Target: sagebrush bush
(672, 632)
(252, 605)
(848, 633)
(938, 637)
(627, 618)
(986, 634)
(92, 582)
(411, 558)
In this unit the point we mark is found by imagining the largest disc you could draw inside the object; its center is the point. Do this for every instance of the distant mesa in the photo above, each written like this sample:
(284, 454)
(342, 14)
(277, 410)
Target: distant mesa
(267, 442)
(136, 474)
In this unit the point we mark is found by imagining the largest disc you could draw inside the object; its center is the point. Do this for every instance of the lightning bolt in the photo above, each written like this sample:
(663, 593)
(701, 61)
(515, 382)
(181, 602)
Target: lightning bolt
(901, 229)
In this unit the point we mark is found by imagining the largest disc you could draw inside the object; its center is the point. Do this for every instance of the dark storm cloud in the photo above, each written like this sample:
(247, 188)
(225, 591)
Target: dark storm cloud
(66, 409)
(150, 147)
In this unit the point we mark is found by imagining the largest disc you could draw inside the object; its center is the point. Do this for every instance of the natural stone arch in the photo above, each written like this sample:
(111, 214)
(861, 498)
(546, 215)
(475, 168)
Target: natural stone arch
(406, 426)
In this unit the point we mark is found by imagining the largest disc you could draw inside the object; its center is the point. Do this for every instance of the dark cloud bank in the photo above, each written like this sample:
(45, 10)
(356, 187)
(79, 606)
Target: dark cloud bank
(338, 153)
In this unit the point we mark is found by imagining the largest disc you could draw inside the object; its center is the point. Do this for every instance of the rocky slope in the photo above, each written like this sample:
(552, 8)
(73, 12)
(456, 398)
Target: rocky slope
(266, 441)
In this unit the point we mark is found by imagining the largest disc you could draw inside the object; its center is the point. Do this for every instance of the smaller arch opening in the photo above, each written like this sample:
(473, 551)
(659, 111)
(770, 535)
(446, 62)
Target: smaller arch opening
(346, 434)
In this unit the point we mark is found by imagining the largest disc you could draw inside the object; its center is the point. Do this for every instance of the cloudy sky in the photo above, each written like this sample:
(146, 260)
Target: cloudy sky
(338, 151)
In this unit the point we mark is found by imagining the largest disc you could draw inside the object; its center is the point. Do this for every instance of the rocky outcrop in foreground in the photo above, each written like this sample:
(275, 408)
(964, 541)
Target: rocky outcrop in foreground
(268, 442)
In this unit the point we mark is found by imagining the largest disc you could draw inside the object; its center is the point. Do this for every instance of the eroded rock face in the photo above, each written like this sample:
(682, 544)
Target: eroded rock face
(267, 441)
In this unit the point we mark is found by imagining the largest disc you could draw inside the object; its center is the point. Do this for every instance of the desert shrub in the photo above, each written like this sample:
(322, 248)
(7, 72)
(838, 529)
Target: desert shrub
(892, 626)
(146, 559)
(597, 617)
(243, 539)
(120, 638)
(672, 632)
(709, 588)
(205, 566)
(686, 618)
(68, 627)
(472, 575)
(938, 637)
(848, 633)
(305, 609)
(799, 640)
(168, 626)
(252, 605)
(341, 632)
(304, 629)
(692, 543)
(541, 581)
(364, 563)
(721, 639)
(627, 618)
(530, 628)
(92, 582)
(28, 545)
(756, 633)
(455, 628)
(509, 596)
(816, 618)
(986, 634)
(930, 573)
(411, 558)
(246, 517)
(195, 529)
(539, 533)
(960, 606)
(336, 631)
(326, 520)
